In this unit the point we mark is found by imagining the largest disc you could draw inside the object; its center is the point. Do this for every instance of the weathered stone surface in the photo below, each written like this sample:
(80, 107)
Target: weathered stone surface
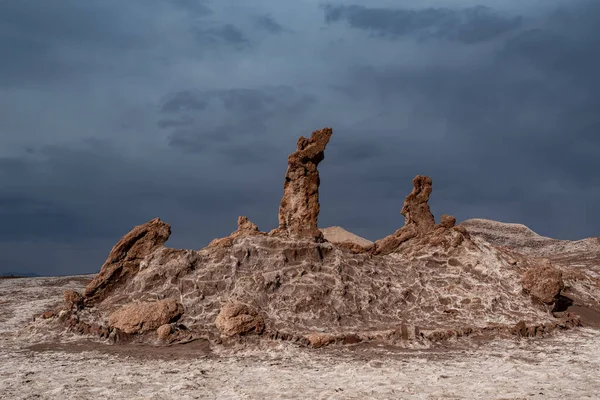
(419, 228)
(299, 208)
(245, 228)
(164, 331)
(73, 300)
(239, 319)
(124, 259)
(416, 207)
(544, 282)
(144, 317)
(447, 221)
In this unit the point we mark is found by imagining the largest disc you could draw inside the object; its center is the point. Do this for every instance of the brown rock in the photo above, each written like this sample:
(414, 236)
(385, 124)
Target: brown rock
(299, 208)
(164, 331)
(73, 300)
(239, 319)
(124, 259)
(245, 228)
(144, 317)
(447, 221)
(390, 243)
(544, 282)
(317, 340)
(416, 207)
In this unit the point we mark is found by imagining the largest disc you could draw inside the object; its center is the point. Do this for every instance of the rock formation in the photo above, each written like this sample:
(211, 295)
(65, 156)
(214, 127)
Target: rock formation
(245, 228)
(543, 282)
(416, 205)
(420, 223)
(299, 208)
(238, 319)
(145, 316)
(424, 282)
(125, 257)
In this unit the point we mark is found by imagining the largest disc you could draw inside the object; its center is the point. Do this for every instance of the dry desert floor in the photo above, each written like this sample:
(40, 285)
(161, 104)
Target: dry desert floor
(40, 363)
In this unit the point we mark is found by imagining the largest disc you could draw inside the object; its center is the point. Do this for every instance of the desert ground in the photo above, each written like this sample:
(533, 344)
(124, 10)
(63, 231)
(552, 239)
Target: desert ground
(41, 363)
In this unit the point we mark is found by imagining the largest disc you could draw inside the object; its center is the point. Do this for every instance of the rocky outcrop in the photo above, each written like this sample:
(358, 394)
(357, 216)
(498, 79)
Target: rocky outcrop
(544, 282)
(124, 259)
(420, 223)
(299, 208)
(424, 282)
(245, 228)
(239, 319)
(73, 300)
(138, 318)
(416, 206)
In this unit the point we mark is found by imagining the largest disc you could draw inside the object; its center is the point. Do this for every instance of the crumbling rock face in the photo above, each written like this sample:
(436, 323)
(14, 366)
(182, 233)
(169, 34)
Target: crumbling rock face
(543, 282)
(124, 259)
(299, 208)
(140, 318)
(239, 319)
(245, 228)
(420, 229)
(73, 300)
(416, 207)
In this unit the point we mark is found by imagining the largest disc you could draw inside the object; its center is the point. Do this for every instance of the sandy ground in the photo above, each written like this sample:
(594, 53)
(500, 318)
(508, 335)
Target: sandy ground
(38, 365)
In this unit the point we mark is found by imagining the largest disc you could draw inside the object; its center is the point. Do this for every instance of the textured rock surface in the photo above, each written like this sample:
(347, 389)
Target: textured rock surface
(73, 300)
(416, 207)
(164, 331)
(424, 282)
(245, 228)
(238, 319)
(299, 208)
(419, 226)
(544, 282)
(145, 316)
(124, 259)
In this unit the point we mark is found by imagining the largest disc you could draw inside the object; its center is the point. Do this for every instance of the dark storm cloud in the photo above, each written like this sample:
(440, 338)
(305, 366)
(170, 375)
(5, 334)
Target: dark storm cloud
(269, 24)
(184, 101)
(235, 121)
(511, 138)
(468, 25)
(223, 34)
(166, 108)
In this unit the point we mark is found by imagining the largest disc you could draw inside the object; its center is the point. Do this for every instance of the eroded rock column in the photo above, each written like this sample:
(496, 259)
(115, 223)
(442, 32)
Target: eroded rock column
(299, 208)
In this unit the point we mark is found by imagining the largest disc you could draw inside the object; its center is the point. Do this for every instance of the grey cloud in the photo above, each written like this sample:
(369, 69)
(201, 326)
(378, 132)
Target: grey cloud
(227, 33)
(196, 130)
(184, 101)
(250, 114)
(175, 123)
(269, 24)
(197, 7)
(469, 25)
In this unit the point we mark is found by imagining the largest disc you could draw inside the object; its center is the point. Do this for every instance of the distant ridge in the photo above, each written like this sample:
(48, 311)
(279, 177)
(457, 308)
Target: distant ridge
(9, 274)
(337, 234)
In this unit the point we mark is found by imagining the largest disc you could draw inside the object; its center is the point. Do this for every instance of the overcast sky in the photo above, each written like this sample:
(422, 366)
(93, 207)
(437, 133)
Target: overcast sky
(114, 112)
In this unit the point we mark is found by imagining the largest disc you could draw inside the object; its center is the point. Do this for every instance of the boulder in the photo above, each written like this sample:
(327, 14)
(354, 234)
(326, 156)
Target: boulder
(143, 317)
(238, 319)
(164, 331)
(543, 282)
(125, 257)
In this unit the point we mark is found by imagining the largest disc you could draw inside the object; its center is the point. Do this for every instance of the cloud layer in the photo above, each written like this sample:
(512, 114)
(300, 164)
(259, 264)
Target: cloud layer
(113, 113)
